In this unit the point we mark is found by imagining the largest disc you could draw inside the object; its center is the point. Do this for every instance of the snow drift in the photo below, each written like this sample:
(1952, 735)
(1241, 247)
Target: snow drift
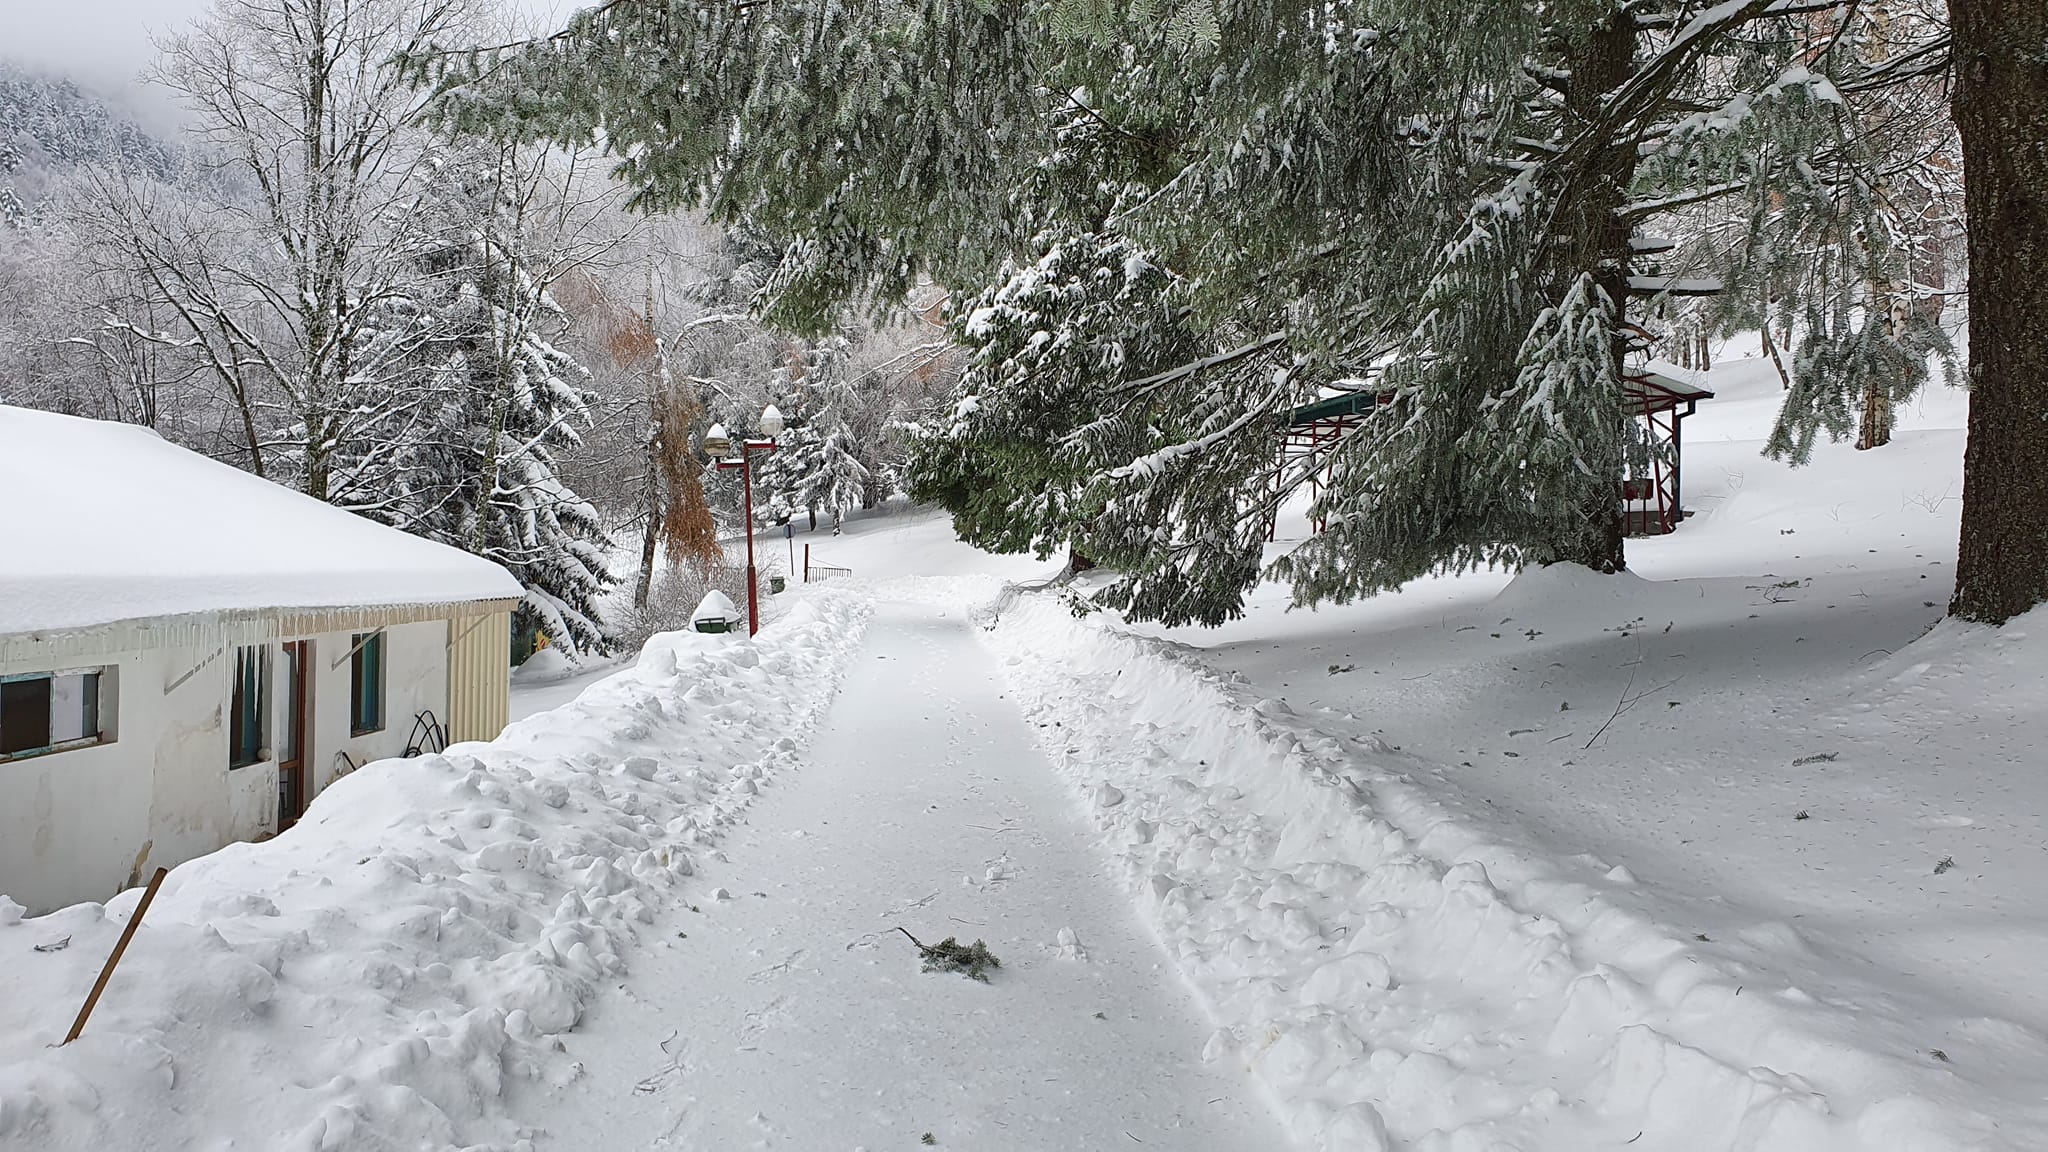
(386, 973)
(1397, 977)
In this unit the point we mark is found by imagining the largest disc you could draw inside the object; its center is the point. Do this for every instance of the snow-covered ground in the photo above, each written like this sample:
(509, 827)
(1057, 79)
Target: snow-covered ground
(400, 967)
(548, 680)
(1754, 751)
(1788, 838)
(1407, 965)
(1732, 854)
(785, 1010)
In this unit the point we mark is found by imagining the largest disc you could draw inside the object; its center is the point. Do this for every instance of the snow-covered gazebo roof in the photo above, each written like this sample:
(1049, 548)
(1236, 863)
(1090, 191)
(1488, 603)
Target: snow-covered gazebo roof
(1660, 384)
(102, 523)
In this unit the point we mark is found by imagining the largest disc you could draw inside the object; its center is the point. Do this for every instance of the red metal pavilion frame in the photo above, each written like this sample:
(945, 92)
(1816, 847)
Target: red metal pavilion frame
(1652, 498)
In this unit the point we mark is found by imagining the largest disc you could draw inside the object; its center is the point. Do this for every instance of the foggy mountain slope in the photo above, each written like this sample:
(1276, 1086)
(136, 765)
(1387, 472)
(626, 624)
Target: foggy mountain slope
(49, 124)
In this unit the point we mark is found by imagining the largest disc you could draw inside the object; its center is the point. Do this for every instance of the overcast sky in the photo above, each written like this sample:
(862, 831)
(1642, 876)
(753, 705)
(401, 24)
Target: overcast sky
(104, 44)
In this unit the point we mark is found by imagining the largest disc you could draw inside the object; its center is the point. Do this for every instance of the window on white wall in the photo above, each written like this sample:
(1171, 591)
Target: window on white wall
(366, 684)
(249, 707)
(55, 711)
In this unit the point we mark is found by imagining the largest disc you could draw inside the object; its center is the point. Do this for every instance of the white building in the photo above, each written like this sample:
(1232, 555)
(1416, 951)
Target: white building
(189, 654)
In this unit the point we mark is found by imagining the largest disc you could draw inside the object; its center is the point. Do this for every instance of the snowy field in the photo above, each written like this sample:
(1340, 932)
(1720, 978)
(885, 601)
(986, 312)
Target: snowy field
(1732, 854)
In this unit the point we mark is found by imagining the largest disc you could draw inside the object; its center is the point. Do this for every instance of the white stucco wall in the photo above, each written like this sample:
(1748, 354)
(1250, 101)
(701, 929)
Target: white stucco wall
(177, 747)
(83, 824)
(415, 679)
(68, 819)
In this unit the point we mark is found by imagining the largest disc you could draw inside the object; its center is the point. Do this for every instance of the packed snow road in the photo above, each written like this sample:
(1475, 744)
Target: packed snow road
(787, 1012)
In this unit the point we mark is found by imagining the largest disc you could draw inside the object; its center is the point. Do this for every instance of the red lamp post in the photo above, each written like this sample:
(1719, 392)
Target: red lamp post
(719, 446)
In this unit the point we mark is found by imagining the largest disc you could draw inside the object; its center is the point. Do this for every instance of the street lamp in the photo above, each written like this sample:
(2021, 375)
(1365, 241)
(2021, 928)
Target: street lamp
(718, 445)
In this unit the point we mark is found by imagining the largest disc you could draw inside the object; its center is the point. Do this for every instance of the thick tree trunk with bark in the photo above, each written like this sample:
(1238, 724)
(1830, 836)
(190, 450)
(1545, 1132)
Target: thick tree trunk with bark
(1599, 243)
(2001, 111)
(1874, 430)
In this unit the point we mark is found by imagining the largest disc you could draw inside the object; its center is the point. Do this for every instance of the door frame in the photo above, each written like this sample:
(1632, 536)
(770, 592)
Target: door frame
(292, 776)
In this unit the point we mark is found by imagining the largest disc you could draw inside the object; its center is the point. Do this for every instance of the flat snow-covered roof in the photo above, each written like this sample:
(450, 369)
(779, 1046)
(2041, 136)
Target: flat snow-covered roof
(103, 522)
(1684, 383)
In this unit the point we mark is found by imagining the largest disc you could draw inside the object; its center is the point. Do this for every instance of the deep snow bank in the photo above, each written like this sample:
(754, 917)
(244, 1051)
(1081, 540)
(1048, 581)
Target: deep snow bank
(1399, 979)
(384, 974)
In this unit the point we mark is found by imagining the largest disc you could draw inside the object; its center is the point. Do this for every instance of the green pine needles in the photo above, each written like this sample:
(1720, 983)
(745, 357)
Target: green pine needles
(1168, 225)
(949, 955)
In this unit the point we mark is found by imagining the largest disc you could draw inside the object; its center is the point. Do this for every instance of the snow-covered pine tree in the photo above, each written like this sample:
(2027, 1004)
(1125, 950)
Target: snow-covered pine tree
(472, 463)
(1388, 195)
(865, 139)
(782, 480)
(841, 480)
(1848, 246)
(819, 465)
(1622, 115)
(1533, 434)
(1068, 385)
(1856, 361)
(13, 213)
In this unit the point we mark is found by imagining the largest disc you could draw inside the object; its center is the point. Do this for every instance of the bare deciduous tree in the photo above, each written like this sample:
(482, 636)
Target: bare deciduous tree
(284, 281)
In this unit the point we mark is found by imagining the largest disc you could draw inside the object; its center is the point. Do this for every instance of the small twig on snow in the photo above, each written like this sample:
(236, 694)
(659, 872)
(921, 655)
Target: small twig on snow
(1625, 701)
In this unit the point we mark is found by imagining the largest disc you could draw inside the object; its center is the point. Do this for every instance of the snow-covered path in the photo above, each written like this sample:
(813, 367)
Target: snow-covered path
(793, 1016)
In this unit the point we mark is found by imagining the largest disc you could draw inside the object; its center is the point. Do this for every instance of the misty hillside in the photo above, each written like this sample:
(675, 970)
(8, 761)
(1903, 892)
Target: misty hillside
(48, 124)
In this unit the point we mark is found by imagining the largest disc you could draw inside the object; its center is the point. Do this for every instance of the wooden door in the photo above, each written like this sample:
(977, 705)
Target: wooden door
(292, 753)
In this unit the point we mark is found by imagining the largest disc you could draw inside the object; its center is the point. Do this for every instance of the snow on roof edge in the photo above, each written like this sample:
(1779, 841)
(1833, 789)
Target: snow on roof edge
(122, 526)
(1690, 381)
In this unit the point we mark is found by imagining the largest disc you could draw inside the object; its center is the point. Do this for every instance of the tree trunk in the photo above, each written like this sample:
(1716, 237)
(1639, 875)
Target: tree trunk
(318, 451)
(1771, 346)
(248, 429)
(2001, 111)
(491, 468)
(1600, 244)
(1874, 430)
(649, 542)
(652, 501)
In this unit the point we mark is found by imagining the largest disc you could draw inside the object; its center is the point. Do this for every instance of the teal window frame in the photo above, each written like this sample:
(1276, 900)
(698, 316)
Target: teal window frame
(249, 706)
(366, 683)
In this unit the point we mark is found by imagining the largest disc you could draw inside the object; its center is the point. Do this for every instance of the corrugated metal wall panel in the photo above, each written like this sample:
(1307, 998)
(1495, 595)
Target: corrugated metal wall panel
(479, 675)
